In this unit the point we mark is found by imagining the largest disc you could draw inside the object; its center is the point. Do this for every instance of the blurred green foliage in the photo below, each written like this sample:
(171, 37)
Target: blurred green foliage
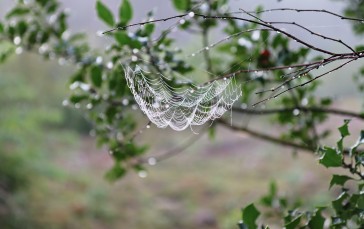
(346, 211)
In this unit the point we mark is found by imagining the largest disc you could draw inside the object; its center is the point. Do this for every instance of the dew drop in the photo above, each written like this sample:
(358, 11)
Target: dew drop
(152, 161)
(89, 106)
(110, 65)
(99, 60)
(125, 102)
(182, 21)
(17, 40)
(134, 58)
(65, 103)
(191, 14)
(148, 126)
(142, 174)
(19, 50)
(193, 54)
(225, 78)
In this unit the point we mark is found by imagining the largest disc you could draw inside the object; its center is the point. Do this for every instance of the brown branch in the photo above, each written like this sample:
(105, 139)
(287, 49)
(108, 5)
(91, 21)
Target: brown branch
(267, 137)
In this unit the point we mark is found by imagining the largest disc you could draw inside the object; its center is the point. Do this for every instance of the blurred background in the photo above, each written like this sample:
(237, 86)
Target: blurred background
(56, 172)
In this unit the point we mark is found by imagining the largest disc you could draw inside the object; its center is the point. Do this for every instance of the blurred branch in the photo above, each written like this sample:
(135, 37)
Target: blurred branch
(267, 137)
(300, 108)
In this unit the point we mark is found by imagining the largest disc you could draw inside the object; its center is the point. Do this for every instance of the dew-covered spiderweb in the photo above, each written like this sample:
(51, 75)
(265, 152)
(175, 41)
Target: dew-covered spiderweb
(180, 107)
(186, 104)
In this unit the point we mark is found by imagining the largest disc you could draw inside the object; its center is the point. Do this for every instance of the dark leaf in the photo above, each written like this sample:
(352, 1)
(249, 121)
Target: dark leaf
(294, 223)
(125, 12)
(181, 4)
(250, 215)
(317, 221)
(344, 130)
(330, 158)
(339, 180)
(105, 14)
(96, 76)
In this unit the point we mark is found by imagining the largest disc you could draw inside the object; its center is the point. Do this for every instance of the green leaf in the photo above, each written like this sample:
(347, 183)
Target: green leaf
(330, 158)
(339, 180)
(317, 221)
(1, 28)
(125, 12)
(105, 14)
(294, 223)
(96, 76)
(359, 48)
(122, 38)
(181, 4)
(115, 173)
(250, 215)
(344, 130)
(19, 11)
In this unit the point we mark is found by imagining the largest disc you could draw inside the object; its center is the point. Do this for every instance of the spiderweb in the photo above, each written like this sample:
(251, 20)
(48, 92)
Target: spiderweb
(180, 107)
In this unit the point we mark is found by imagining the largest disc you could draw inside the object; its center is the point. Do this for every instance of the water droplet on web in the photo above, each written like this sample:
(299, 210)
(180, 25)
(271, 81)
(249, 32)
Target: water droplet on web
(225, 78)
(290, 68)
(135, 51)
(278, 32)
(182, 21)
(191, 14)
(296, 112)
(148, 126)
(166, 106)
(193, 54)
(207, 48)
(89, 106)
(282, 87)
(152, 161)
(142, 174)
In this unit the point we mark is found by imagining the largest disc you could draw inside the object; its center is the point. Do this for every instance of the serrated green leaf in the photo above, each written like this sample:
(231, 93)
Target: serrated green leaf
(330, 158)
(181, 4)
(125, 12)
(317, 221)
(344, 130)
(339, 180)
(105, 14)
(96, 76)
(294, 223)
(250, 215)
